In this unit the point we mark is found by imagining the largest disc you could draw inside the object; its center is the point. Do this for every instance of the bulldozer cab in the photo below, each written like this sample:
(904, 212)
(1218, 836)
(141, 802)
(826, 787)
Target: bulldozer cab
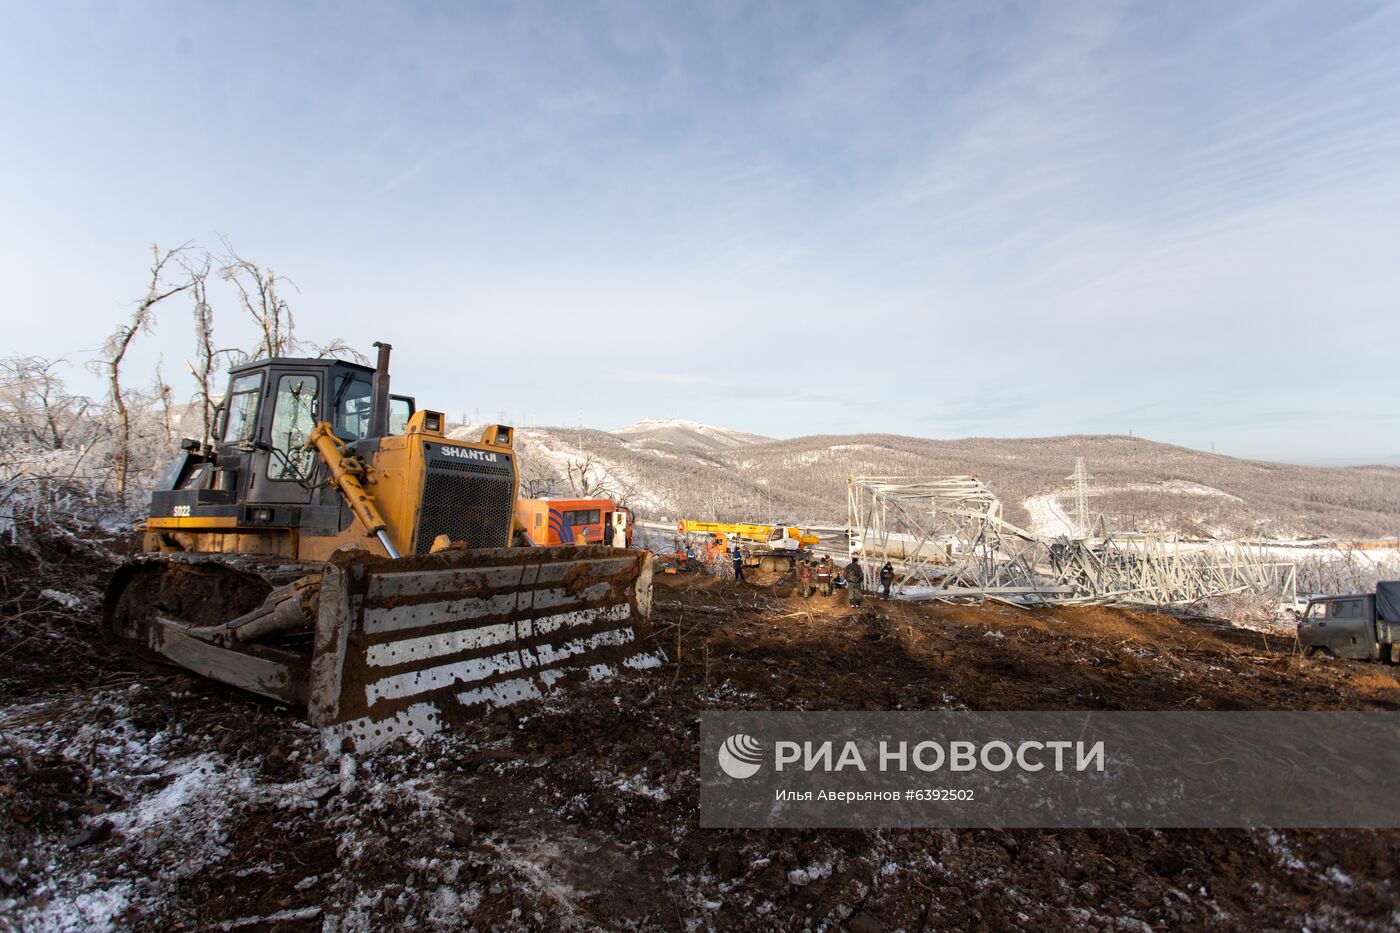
(257, 471)
(271, 408)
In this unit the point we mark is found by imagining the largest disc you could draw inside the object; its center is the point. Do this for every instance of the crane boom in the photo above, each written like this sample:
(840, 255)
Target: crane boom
(751, 531)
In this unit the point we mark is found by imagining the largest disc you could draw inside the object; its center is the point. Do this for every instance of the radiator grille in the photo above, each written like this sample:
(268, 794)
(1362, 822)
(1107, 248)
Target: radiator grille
(471, 502)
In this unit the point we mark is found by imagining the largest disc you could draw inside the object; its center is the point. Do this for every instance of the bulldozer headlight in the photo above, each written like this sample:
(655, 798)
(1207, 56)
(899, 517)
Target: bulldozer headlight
(260, 516)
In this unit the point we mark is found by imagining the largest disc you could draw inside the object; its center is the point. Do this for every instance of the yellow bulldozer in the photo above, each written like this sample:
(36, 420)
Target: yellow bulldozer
(331, 547)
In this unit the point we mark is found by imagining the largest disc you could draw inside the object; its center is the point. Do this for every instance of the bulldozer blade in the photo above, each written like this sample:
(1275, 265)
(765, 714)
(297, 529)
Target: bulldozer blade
(412, 644)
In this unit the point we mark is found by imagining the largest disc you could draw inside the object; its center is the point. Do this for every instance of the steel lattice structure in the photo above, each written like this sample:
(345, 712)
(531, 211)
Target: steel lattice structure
(1080, 478)
(948, 537)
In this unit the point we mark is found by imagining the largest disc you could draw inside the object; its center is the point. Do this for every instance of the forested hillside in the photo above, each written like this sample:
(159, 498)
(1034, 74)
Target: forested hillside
(1135, 483)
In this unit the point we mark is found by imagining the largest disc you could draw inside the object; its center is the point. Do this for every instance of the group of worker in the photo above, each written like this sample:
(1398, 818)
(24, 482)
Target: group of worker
(817, 575)
(822, 575)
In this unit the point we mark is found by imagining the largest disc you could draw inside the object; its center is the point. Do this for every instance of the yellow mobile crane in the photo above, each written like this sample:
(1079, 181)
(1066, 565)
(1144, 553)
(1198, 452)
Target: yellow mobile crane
(767, 547)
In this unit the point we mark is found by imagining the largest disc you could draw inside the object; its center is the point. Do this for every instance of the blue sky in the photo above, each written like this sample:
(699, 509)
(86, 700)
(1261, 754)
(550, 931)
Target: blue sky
(940, 219)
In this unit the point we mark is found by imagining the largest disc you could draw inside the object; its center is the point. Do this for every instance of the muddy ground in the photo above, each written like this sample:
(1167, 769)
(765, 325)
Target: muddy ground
(133, 796)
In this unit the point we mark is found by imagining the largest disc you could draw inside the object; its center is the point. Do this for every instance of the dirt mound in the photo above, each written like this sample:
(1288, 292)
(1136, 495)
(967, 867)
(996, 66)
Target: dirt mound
(50, 595)
(169, 802)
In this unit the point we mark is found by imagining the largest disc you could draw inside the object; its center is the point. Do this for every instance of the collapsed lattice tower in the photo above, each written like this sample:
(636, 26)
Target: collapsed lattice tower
(1080, 476)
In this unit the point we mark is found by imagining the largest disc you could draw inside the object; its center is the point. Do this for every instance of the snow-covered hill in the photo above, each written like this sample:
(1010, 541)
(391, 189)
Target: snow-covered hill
(675, 432)
(676, 469)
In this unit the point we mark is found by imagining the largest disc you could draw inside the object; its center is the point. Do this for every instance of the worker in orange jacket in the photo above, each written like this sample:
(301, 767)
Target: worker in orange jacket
(804, 578)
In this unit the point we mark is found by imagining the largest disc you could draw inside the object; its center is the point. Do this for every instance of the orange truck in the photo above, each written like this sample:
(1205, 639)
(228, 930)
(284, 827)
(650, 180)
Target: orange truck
(557, 522)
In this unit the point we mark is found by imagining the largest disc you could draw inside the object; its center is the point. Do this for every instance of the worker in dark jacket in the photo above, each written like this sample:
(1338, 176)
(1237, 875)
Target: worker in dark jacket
(824, 574)
(608, 531)
(886, 579)
(738, 563)
(855, 582)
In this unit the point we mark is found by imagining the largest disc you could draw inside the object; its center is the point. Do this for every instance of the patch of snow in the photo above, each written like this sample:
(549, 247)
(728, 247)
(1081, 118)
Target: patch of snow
(96, 911)
(1178, 487)
(171, 816)
(267, 921)
(1048, 517)
(1092, 920)
(1283, 852)
(200, 784)
(66, 600)
(636, 784)
(693, 432)
(801, 877)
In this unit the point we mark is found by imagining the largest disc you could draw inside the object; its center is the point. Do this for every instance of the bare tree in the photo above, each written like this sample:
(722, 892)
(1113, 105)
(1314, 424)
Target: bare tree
(202, 369)
(536, 487)
(56, 462)
(165, 395)
(35, 407)
(257, 290)
(337, 348)
(586, 480)
(115, 348)
(589, 480)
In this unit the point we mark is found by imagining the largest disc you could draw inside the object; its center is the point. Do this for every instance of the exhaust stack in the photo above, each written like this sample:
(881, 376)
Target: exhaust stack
(379, 390)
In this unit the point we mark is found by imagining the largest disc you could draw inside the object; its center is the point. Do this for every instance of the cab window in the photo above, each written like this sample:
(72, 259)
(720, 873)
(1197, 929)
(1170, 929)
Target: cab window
(294, 414)
(1317, 611)
(242, 418)
(400, 410)
(1348, 609)
(353, 400)
(583, 517)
